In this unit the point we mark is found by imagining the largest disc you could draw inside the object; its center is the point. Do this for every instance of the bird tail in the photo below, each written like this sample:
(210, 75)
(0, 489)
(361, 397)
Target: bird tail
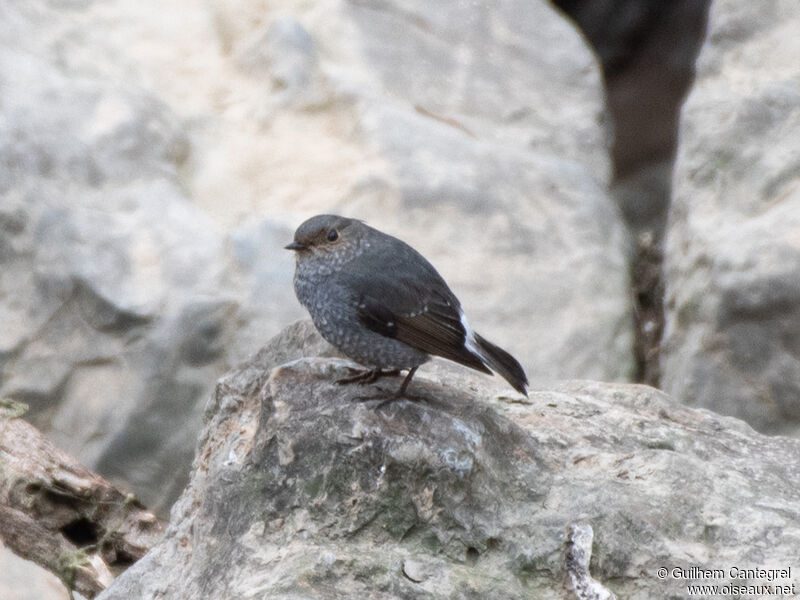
(502, 363)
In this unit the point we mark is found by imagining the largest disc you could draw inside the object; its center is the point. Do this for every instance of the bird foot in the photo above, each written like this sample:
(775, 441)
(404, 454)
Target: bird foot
(388, 398)
(370, 375)
(384, 399)
(364, 376)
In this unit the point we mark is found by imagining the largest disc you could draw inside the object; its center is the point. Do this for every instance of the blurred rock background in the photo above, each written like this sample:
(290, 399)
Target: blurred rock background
(732, 337)
(155, 157)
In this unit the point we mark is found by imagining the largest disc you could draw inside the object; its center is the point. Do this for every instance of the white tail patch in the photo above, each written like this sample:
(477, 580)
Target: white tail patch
(470, 342)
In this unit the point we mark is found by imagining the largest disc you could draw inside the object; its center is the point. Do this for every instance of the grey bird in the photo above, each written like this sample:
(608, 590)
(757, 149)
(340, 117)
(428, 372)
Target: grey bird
(383, 305)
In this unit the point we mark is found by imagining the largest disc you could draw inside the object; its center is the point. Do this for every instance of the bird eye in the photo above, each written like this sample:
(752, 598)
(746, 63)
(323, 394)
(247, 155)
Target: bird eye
(333, 235)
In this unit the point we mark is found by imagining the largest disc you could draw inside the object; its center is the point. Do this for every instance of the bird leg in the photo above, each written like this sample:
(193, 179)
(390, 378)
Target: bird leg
(367, 375)
(370, 375)
(401, 393)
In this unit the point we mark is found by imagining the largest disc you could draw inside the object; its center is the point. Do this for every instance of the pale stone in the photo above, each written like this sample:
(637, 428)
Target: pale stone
(732, 337)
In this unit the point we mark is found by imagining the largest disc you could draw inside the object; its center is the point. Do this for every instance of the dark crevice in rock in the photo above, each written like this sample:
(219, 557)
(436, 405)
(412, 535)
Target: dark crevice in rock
(647, 282)
(647, 49)
(122, 560)
(81, 532)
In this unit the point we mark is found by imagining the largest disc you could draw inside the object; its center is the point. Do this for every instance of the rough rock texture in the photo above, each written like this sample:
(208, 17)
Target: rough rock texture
(57, 513)
(732, 340)
(300, 491)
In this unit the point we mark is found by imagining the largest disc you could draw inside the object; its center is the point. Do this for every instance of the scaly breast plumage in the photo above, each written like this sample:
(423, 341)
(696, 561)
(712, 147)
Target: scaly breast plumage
(334, 312)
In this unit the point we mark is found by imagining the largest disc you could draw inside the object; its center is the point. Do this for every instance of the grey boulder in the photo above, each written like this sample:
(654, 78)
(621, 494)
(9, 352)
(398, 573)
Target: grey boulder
(299, 490)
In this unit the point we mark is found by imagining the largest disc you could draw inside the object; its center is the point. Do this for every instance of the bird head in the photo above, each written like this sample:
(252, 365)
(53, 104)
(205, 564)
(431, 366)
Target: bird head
(324, 234)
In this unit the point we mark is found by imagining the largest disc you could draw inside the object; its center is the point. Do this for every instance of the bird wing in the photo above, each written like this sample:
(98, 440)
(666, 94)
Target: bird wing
(406, 299)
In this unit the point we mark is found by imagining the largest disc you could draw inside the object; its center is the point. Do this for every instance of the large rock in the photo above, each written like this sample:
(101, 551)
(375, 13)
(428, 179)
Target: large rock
(299, 490)
(732, 340)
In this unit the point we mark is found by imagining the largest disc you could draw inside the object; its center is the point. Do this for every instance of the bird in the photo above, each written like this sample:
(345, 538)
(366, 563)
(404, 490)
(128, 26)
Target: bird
(383, 305)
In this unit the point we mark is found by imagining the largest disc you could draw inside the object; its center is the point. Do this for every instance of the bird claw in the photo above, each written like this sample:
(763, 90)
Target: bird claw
(365, 376)
(389, 398)
(370, 375)
(382, 397)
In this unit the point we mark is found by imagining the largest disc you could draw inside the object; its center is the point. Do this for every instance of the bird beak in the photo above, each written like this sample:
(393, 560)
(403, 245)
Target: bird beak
(295, 245)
